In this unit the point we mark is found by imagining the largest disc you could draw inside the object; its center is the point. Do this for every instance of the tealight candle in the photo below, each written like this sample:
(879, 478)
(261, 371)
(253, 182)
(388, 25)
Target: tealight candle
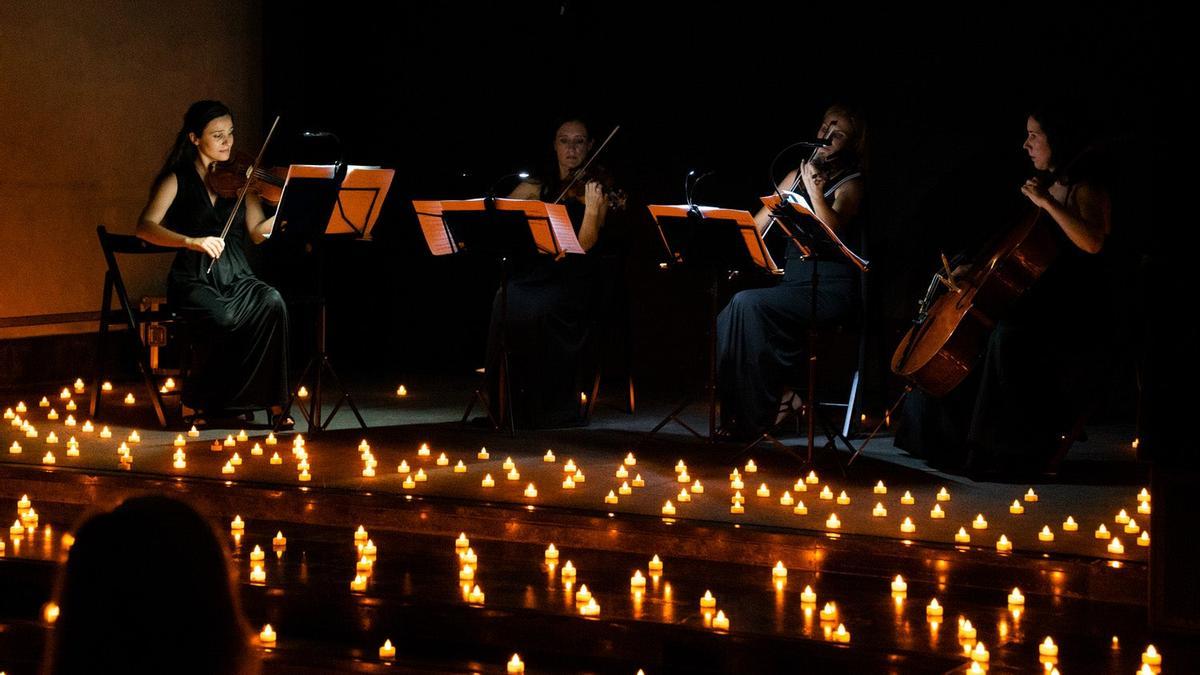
(476, 596)
(841, 634)
(360, 535)
(1031, 496)
(763, 491)
(568, 570)
(933, 608)
(179, 463)
(515, 666)
(800, 509)
(569, 467)
(228, 468)
(843, 498)
(487, 481)
(424, 451)
(630, 460)
(1069, 525)
(48, 458)
(531, 491)
(483, 454)
(800, 486)
(965, 630)
(637, 580)
(17, 529)
(257, 554)
(1016, 598)
(52, 415)
(979, 523)
(625, 489)
(71, 406)
(579, 477)
(880, 488)
(1045, 534)
(302, 392)
(1016, 509)
(408, 483)
(829, 612)
(697, 488)
(786, 499)
(1102, 532)
(365, 564)
(31, 432)
(1003, 545)
(879, 511)
(78, 385)
(129, 399)
(279, 541)
(403, 467)
(907, 499)
(24, 504)
(1115, 546)
(514, 474)
(21, 409)
(832, 522)
(1048, 648)
(812, 479)
(751, 467)
(737, 509)
(655, 565)
(271, 440)
(1144, 539)
(826, 493)
(899, 585)
(14, 449)
(369, 550)
(621, 473)
(192, 433)
(44, 403)
(420, 476)
(937, 513)
(267, 636)
(680, 466)
(592, 608)
(568, 483)
(708, 601)
(242, 436)
(980, 653)
(738, 498)
(548, 457)
(1130, 528)
(9, 414)
(668, 509)
(1121, 518)
(388, 651)
(720, 621)
(1151, 657)
(1144, 508)
(1144, 496)
(582, 595)
(683, 478)
(467, 573)
(235, 460)
(807, 596)
(358, 584)
(442, 460)
(907, 526)
(638, 481)
(368, 472)
(258, 575)
(683, 496)
(216, 446)
(276, 459)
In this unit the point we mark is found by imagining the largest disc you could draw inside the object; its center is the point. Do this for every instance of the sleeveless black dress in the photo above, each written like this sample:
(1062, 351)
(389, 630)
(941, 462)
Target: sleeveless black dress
(238, 324)
(762, 333)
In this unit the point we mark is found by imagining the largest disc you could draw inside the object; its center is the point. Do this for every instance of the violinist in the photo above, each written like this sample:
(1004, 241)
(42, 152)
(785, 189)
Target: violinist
(550, 327)
(239, 324)
(1023, 403)
(761, 332)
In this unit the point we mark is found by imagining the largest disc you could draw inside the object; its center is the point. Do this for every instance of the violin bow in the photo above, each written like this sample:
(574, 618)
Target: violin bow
(586, 164)
(252, 171)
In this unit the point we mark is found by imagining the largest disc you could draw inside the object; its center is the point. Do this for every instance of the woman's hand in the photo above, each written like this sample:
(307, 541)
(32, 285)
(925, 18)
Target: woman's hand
(814, 183)
(1037, 193)
(593, 196)
(213, 246)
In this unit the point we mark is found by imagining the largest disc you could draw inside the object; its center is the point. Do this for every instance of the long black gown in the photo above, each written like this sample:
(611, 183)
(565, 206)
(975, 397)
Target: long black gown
(238, 325)
(762, 333)
(550, 332)
(1033, 382)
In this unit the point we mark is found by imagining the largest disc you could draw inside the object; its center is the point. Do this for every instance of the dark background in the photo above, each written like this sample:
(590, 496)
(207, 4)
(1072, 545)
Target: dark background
(438, 91)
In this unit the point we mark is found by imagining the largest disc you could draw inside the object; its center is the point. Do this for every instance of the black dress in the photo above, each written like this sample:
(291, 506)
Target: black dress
(550, 332)
(1034, 381)
(237, 324)
(762, 333)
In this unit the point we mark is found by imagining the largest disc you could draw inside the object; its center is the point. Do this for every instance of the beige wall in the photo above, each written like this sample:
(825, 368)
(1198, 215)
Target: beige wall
(91, 94)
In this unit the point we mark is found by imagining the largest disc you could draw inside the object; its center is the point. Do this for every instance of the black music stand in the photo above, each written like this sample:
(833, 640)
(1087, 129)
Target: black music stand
(722, 244)
(303, 218)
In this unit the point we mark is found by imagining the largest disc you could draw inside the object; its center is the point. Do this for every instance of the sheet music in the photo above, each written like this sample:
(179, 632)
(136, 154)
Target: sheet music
(745, 222)
(437, 237)
(360, 199)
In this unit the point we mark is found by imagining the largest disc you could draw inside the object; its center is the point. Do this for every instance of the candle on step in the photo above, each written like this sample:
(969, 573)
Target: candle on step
(826, 493)
(683, 496)
(907, 526)
(697, 488)
(668, 509)
(979, 523)
(933, 608)
(1003, 545)
(879, 511)
(258, 575)
(843, 498)
(129, 399)
(899, 585)
(637, 580)
(638, 481)
(965, 630)
(708, 601)
(625, 489)
(1069, 525)
(980, 653)
(1016, 509)
(1115, 546)
(279, 541)
(655, 564)
(763, 491)
(1048, 648)
(812, 479)
(1031, 496)
(1102, 532)
(487, 481)
(1121, 518)
(832, 522)
(1045, 534)
(78, 385)
(592, 608)
(880, 488)
(1151, 657)
(583, 595)
(786, 499)
(1016, 598)
(720, 621)
(515, 666)
(841, 634)
(800, 509)
(936, 512)
(1144, 539)
(483, 453)
(267, 636)
(568, 571)
(531, 491)
(829, 612)
(237, 524)
(88, 427)
(779, 571)
(476, 596)
(751, 467)
(630, 460)
(907, 499)
(388, 651)
(358, 584)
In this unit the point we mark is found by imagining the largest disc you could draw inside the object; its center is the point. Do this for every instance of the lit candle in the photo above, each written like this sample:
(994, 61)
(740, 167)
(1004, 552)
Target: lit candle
(1048, 648)
(237, 524)
(1121, 518)
(52, 415)
(683, 478)
(829, 612)
(879, 511)
(625, 489)
(965, 630)
(267, 636)
(1144, 508)
(697, 488)
(1016, 509)
(420, 476)
(548, 457)
(257, 554)
(936, 512)
(786, 499)
(21, 409)
(655, 565)
(424, 451)
(738, 498)
(1016, 598)
(979, 523)
(192, 433)
(1003, 545)
(1115, 546)
(358, 584)
(708, 601)
(638, 481)
(907, 526)
(933, 608)
(388, 651)
(483, 454)
(668, 509)
(899, 585)
(44, 403)
(637, 580)
(180, 463)
(512, 475)
(487, 481)
(621, 473)
(1045, 534)
(843, 498)
(365, 565)
(800, 486)
(1144, 539)
(276, 459)
(832, 522)
(1031, 496)
(1151, 657)
(71, 406)
(568, 571)
(1144, 496)
(907, 499)
(442, 460)
(228, 468)
(826, 493)
(807, 596)
(737, 509)
(467, 573)
(569, 467)
(568, 483)
(129, 400)
(583, 595)
(630, 460)
(229, 442)
(369, 550)
(1130, 528)
(683, 496)
(9, 414)
(800, 509)
(579, 477)
(302, 392)
(592, 608)
(279, 541)
(720, 621)
(751, 467)
(736, 484)
(812, 479)
(78, 385)
(763, 491)
(779, 571)
(531, 491)
(1069, 525)
(1102, 532)
(880, 488)
(258, 575)
(48, 458)
(236, 460)
(841, 634)
(515, 666)
(14, 449)
(17, 529)
(980, 653)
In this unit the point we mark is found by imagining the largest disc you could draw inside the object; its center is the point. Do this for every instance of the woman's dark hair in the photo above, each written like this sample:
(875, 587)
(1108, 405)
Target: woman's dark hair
(853, 155)
(183, 152)
(1067, 134)
(147, 588)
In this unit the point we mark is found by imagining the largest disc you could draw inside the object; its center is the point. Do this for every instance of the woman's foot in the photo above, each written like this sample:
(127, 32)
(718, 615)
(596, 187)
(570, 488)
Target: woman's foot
(281, 420)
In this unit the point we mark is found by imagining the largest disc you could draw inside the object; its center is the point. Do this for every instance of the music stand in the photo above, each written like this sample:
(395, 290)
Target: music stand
(816, 239)
(305, 216)
(502, 230)
(722, 243)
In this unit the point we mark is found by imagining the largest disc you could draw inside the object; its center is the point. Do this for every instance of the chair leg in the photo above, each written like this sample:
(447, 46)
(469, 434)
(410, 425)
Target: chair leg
(101, 344)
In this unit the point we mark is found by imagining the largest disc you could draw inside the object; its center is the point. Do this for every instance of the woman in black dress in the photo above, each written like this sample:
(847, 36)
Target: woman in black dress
(238, 323)
(550, 318)
(762, 332)
(1023, 401)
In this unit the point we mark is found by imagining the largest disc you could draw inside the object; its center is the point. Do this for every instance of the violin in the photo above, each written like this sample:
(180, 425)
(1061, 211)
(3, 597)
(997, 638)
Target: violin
(228, 178)
(577, 186)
